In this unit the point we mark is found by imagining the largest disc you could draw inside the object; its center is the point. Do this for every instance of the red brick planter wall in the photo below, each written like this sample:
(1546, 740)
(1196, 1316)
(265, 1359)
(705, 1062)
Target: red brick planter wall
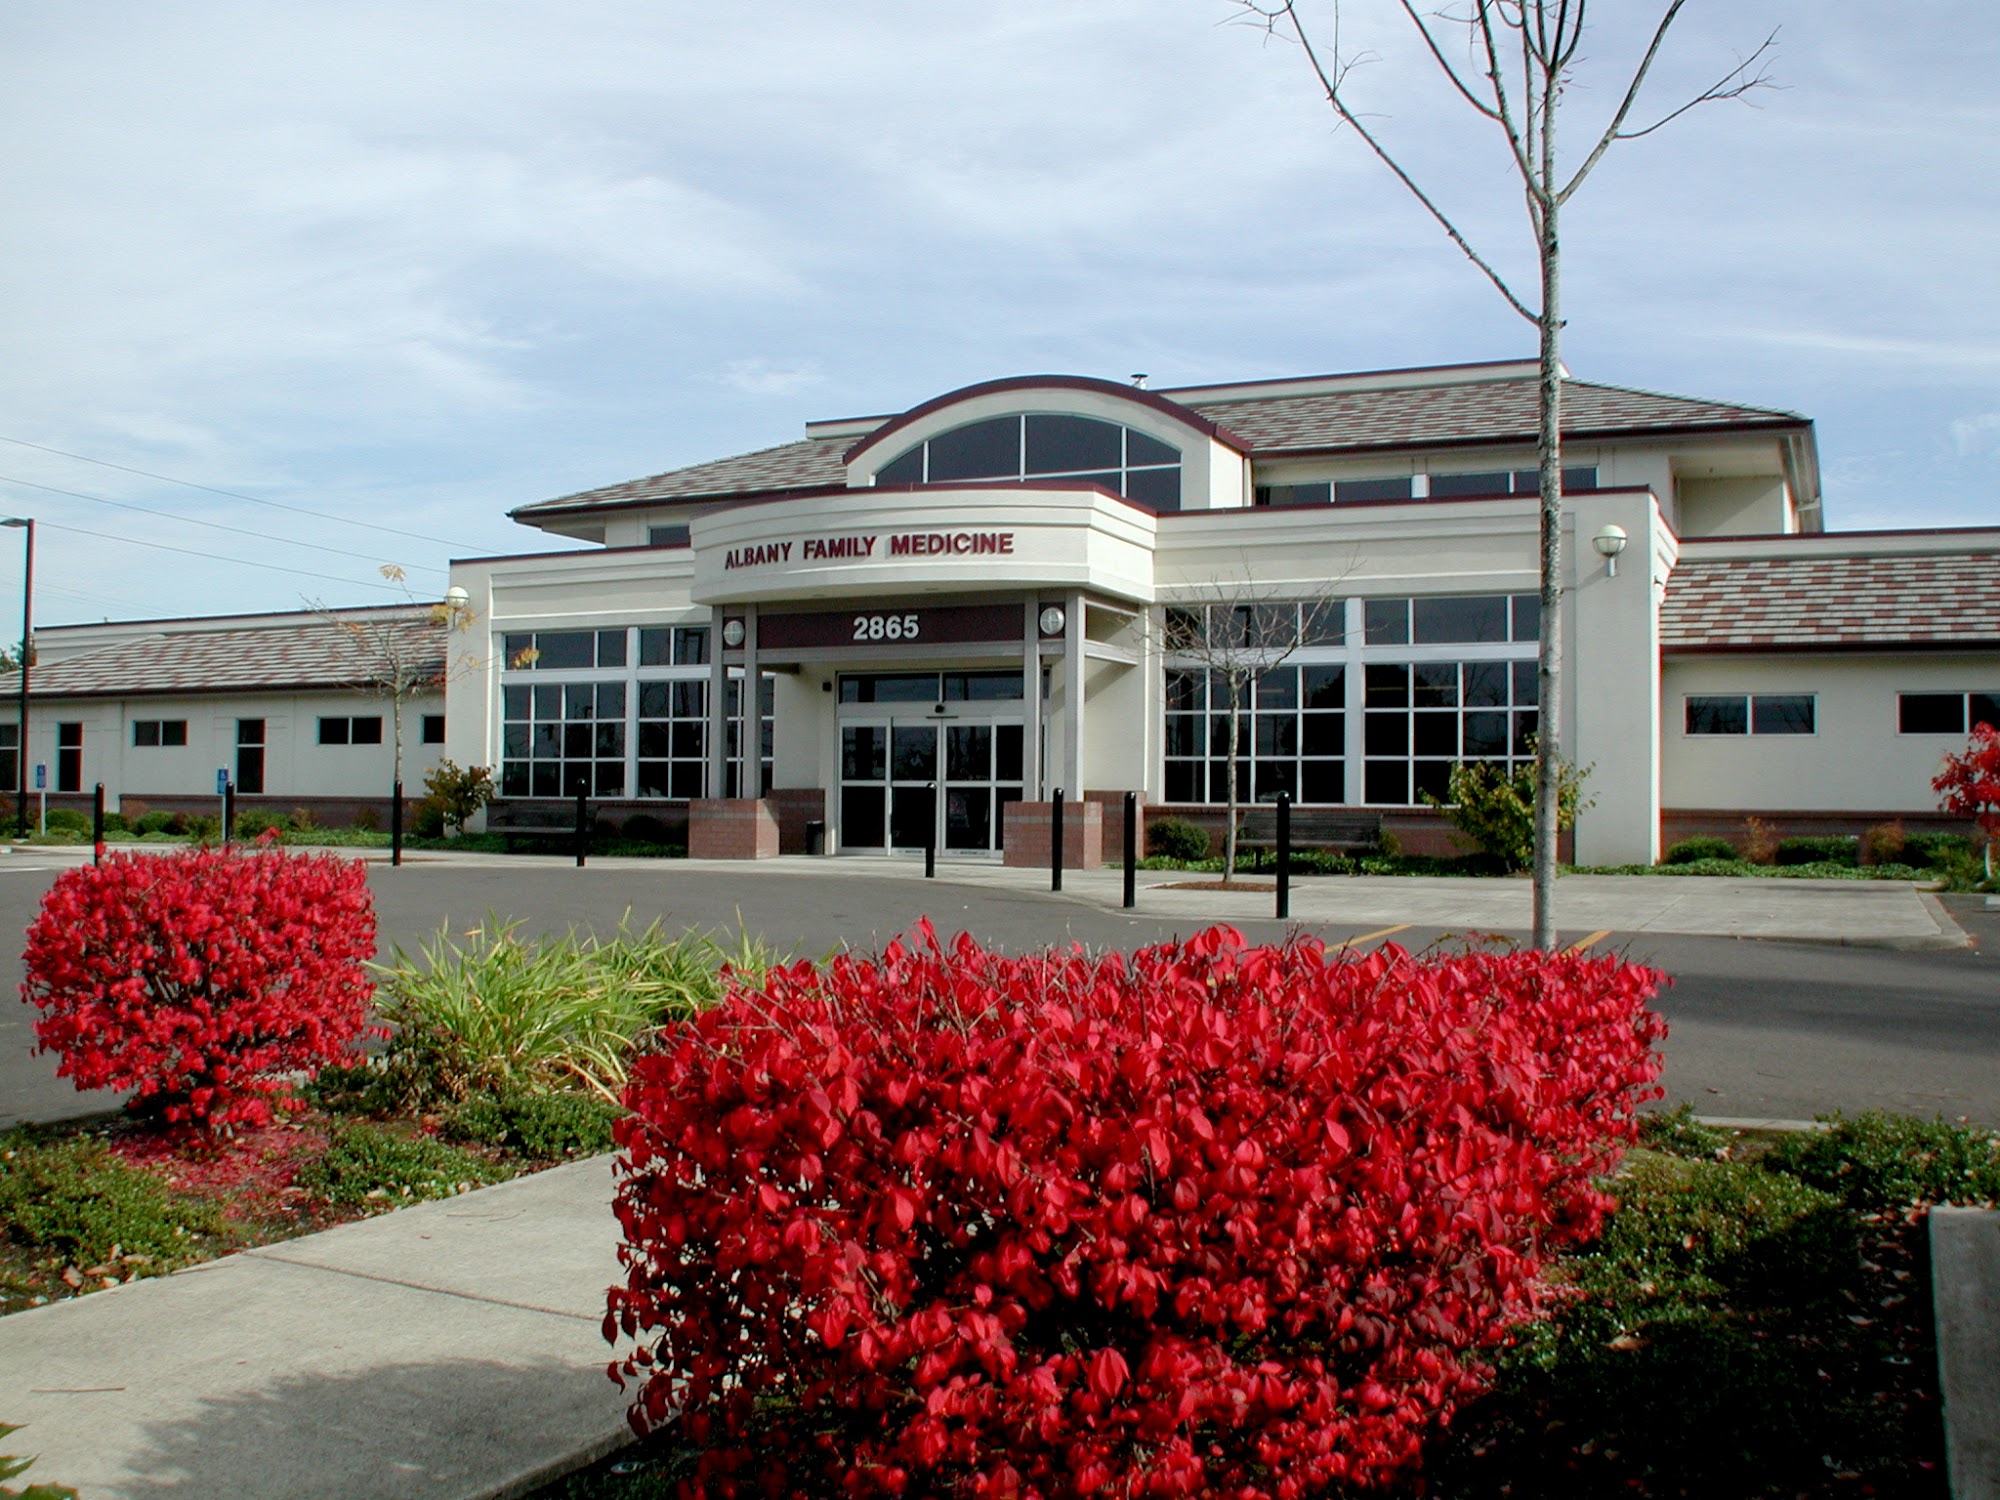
(731, 828)
(1027, 835)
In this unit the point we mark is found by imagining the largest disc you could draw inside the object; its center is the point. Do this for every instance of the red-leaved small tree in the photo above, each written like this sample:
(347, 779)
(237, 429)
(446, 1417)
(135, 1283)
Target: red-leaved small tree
(1969, 785)
(1207, 1220)
(195, 978)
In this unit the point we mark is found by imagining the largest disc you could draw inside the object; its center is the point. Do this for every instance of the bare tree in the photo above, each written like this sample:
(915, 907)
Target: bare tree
(1235, 633)
(398, 657)
(1520, 60)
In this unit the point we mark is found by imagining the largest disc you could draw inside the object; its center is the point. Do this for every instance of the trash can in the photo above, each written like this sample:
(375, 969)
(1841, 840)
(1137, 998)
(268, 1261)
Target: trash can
(815, 836)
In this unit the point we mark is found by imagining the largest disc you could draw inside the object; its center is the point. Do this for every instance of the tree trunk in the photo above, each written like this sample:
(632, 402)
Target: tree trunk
(1548, 743)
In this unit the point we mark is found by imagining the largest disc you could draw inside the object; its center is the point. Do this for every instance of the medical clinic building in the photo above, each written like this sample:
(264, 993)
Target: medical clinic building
(946, 614)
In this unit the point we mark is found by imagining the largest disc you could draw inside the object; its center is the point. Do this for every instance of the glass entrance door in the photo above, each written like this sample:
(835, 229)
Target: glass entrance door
(905, 781)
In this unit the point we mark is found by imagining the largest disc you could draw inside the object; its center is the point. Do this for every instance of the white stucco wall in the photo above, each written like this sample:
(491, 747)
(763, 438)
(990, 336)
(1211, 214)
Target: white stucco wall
(1855, 761)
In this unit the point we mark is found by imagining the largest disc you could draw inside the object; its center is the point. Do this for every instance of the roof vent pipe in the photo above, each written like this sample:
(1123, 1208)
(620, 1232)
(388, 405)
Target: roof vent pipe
(1139, 380)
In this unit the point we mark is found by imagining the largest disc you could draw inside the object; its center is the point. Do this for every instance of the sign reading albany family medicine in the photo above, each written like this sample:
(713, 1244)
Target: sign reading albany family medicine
(877, 546)
(881, 624)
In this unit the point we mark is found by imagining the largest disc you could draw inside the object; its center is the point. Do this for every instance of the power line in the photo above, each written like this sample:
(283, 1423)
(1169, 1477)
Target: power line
(238, 495)
(241, 562)
(148, 510)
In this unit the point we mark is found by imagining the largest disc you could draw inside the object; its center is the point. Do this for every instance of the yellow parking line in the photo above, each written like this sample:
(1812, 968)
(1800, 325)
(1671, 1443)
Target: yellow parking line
(1595, 937)
(1368, 937)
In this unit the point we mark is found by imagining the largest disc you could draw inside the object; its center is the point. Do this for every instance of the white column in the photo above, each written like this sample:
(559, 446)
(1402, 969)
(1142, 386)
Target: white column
(1073, 696)
(718, 699)
(1031, 687)
(752, 732)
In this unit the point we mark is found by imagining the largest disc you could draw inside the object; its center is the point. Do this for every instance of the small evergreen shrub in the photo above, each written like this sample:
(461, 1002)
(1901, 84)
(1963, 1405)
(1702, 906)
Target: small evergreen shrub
(1677, 1132)
(251, 825)
(1826, 849)
(1692, 851)
(67, 820)
(1176, 838)
(542, 1127)
(157, 822)
(368, 1163)
(427, 818)
(197, 979)
(1876, 1161)
(1935, 848)
(202, 828)
(645, 828)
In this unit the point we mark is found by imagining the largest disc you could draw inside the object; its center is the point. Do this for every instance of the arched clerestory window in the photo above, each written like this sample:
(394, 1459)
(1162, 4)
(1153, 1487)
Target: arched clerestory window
(1046, 445)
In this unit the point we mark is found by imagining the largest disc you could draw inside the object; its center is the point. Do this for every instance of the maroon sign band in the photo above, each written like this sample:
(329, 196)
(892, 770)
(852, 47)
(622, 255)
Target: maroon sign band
(891, 624)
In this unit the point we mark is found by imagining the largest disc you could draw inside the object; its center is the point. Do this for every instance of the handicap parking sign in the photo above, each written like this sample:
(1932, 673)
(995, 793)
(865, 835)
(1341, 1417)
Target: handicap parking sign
(221, 780)
(41, 778)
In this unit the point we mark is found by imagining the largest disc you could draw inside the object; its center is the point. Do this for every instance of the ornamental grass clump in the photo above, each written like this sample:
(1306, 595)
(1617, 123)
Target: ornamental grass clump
(199, 980)
(1206, 1220)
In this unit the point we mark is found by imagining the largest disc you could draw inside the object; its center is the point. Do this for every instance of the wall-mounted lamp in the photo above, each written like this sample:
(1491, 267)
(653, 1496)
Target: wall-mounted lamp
(732, 633)
(456, 598)
(1052, 620)
(1609, 542)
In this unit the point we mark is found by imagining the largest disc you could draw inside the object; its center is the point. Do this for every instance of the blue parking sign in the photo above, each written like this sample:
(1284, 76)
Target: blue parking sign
(42, 778)
(221, 780)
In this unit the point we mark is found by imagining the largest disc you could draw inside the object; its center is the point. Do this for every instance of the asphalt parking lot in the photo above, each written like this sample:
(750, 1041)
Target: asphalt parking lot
(1761, 1027)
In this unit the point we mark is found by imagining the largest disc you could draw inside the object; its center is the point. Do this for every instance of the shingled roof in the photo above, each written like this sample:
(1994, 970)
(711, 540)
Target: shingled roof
(1833, 603)
(1480, 411)
(311, 653)
(1477, 411)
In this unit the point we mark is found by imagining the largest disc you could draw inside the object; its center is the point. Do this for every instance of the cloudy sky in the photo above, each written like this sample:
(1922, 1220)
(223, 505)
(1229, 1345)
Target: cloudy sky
(381, 271)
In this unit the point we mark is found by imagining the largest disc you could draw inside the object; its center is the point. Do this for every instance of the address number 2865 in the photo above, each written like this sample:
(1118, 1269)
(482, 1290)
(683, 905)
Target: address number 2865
(885, 627)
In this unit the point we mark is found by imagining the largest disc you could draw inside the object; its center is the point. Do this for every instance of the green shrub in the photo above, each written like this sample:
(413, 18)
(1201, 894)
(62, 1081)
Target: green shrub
(1823, 849)
(202, 828)
(1933, 848)
(646, 828)
(1676, 1132)
(1876, 1160)
(67, 820)
(460, 791)
(75, 1200)
(252, 825)
(427, 818)
(115, 823)
(1494, 811)
(1883, 844)
(366, 818)
(367, 1163)
(542, 1127)
(156, 822)
(1959, 869)
(1691, 851)
(1176, 838)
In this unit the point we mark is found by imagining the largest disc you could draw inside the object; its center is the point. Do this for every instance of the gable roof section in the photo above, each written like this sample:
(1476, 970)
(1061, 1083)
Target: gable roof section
(1362, 420)
(310, 654)
(1833, 603)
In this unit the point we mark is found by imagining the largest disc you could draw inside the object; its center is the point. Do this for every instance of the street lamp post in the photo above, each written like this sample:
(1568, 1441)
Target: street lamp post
(26, 524)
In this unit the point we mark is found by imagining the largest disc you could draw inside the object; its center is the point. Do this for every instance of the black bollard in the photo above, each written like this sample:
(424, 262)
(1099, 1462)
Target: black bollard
(228, 813)
(1056, 840)
(97, 825)
(1284, 856)
(930, 839)
(396, 824)
(1131, 850)
(582, 829)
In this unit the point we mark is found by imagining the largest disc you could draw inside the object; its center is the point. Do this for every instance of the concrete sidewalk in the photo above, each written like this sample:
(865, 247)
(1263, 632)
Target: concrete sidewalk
(447, 1351)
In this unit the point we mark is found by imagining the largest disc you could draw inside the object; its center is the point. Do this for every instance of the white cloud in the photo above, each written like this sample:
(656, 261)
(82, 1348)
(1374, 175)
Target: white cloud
(761, 377)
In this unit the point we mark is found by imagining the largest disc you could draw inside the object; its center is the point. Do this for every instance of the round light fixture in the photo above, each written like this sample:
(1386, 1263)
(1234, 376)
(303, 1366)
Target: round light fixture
(1609, 542)
(456, 597)
(1052, 620)
(732, 633)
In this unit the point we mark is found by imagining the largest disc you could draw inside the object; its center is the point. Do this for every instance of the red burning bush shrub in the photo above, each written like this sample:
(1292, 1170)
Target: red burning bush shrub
(195, 977)
(1207, 1220)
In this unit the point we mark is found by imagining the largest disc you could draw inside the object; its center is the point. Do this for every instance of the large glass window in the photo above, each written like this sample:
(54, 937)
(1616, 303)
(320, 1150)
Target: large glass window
(1420, 717)
(1291, 734)
(1046, 445)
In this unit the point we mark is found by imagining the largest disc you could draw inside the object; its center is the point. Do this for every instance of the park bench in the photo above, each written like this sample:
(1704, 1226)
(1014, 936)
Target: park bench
(1312, 828)
(535, 822)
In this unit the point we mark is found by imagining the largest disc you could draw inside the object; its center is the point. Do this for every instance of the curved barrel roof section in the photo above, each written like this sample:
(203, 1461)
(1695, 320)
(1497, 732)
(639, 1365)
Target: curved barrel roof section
(1184, 415)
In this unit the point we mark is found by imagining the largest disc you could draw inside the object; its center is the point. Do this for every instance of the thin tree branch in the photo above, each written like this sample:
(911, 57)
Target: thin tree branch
(1723, 88)
(1445, 65)
(1330, 84)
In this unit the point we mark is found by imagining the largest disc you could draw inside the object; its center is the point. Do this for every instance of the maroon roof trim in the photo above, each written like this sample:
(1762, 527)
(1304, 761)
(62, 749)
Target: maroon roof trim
(1185, 415)
(1834, 536)
(257, 614)
(358, 688)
